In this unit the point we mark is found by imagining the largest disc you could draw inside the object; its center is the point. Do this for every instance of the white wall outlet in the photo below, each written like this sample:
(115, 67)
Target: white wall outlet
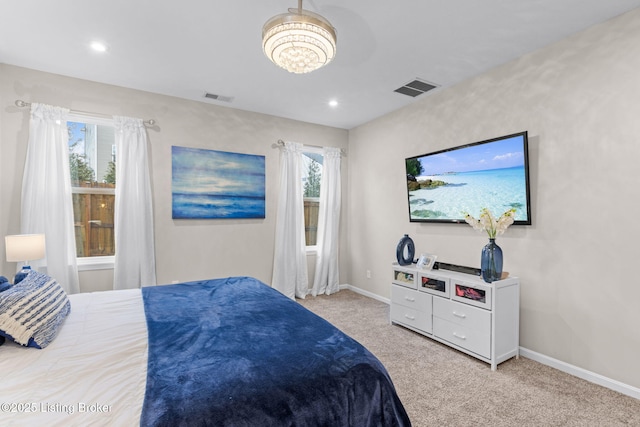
(368, 274)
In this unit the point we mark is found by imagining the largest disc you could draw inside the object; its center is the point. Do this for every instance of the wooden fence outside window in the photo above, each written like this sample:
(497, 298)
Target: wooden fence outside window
(93, 210)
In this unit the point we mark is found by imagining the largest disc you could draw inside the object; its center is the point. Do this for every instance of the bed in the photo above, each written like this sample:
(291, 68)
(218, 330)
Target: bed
(223, 352)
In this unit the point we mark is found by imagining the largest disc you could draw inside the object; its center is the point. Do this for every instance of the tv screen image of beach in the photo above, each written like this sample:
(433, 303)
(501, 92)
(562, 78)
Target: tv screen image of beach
(442, 186)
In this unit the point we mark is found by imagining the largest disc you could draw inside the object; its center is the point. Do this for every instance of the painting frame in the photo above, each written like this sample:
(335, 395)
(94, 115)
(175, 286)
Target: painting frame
(214, 184)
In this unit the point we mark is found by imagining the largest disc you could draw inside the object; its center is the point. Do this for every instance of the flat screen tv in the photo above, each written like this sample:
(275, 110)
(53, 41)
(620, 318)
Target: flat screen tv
(444, 185)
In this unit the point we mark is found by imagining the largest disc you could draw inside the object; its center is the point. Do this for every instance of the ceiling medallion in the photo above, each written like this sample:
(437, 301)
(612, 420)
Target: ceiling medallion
(299, 41)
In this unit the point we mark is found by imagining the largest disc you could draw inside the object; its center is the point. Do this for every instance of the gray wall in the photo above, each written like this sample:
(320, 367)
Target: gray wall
(580, 101)
(185, 249)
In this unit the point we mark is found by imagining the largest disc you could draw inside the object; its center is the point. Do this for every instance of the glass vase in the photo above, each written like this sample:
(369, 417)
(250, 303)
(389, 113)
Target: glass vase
(491, 262)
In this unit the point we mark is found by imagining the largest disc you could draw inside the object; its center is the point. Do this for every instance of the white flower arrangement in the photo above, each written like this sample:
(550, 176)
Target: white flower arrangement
(488, 223)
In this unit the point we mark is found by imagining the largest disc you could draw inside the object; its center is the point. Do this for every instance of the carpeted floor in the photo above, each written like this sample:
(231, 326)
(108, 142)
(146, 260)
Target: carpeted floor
(440, 386)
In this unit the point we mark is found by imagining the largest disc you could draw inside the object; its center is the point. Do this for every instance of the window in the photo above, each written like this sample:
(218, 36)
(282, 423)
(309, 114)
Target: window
(311, 179)
(93, 183)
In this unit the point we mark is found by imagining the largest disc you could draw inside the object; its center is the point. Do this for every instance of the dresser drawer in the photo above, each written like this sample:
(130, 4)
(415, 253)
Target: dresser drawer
(412, 317)
(470, 339)
(410, 298)
(433, 283)
(405, 277)
(463, 315)
(473, 293)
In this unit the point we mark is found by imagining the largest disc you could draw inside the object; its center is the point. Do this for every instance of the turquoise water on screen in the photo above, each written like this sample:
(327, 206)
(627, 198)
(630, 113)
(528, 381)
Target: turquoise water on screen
(495, 189)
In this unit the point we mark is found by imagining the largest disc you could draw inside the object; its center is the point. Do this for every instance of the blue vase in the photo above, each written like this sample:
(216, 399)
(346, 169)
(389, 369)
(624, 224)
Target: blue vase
(491, 262)
(405, 251)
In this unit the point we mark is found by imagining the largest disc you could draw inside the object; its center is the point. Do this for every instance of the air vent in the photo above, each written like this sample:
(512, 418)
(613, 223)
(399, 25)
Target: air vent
(415, 88)
(218, 97)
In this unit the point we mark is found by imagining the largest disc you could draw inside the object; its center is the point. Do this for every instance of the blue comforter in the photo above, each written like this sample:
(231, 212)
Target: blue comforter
(235, 352)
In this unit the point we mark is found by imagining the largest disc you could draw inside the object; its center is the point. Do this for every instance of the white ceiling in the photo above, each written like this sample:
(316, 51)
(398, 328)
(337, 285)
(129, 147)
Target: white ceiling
(189, 47)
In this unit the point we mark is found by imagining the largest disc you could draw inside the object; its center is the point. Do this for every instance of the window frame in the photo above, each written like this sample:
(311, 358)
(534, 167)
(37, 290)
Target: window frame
(89, 263)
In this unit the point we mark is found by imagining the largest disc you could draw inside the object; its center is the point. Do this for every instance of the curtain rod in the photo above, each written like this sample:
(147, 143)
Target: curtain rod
(342, 150)
(21, 104)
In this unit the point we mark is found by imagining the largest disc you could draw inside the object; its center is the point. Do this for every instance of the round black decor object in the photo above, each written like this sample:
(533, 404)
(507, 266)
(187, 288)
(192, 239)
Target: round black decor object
(405, 250)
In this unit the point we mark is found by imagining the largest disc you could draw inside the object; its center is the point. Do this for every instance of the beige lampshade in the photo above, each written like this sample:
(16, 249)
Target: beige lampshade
(24, 247)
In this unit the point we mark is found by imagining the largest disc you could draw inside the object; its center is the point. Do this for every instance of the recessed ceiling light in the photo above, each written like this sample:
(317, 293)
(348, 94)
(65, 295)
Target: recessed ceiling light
(333, 103)
(99, 46)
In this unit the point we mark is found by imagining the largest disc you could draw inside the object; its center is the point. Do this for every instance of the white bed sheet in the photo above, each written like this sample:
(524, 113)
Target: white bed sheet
(92, 374)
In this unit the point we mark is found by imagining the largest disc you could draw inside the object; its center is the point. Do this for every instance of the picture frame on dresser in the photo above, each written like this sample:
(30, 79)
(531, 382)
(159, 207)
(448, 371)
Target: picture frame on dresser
(426, 261)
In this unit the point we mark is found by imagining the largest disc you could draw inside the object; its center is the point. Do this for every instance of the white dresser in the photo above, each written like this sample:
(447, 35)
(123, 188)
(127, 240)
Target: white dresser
(459, 310)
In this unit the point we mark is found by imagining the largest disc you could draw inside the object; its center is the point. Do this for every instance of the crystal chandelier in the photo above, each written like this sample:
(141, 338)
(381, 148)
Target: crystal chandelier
(299, 41)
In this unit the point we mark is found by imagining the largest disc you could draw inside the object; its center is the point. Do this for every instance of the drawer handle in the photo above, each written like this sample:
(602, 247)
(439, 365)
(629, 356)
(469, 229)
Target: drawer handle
(460, 315)
(410, 317)
(462, 337)
(410, 299)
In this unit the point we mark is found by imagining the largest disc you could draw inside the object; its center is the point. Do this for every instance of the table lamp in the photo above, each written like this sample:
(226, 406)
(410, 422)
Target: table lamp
(24, 248)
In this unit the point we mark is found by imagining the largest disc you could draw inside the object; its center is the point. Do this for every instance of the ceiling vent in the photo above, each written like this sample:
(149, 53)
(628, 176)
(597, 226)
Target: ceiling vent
(415, 88)
(218, 97)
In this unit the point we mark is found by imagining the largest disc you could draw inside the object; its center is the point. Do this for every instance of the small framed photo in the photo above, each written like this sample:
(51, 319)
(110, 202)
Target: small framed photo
(426, 261)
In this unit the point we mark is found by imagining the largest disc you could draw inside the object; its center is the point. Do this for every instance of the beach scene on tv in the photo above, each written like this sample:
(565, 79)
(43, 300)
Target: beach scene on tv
(444, 186)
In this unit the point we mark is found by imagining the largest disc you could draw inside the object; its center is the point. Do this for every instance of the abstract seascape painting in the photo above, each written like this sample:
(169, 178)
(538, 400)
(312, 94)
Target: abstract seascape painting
(210, 184)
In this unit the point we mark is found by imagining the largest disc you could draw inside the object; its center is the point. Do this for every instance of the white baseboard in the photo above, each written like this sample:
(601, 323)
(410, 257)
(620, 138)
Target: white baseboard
(545, 360)
(582, 373)
(365, 293)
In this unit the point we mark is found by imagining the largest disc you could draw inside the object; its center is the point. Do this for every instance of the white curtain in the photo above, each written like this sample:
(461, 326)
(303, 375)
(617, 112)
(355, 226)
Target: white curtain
(135, 264)
(46, 194)
(290, 258)
(326, 278)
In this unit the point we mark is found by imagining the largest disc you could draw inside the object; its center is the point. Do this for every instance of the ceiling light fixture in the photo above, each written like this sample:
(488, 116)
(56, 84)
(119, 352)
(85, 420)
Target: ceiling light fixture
(299, 41)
